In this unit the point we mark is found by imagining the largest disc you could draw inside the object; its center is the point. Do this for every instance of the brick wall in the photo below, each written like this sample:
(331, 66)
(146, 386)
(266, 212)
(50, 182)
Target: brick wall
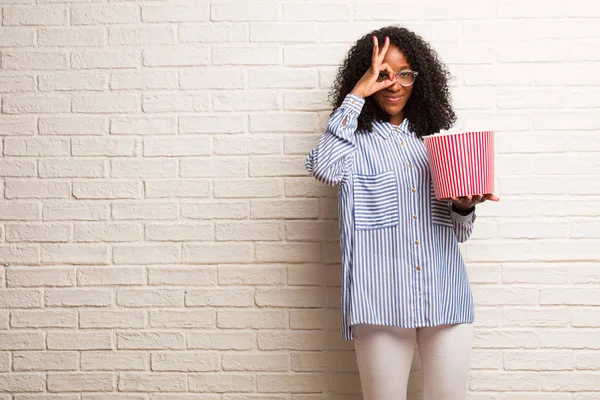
(162, 241)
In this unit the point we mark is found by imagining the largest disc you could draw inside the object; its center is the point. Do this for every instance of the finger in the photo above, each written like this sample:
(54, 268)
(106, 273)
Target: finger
(389, 70)
(374, 58)
(374, 51)
(385, 84)
(491, 196)
(477, 198)
(384, 49)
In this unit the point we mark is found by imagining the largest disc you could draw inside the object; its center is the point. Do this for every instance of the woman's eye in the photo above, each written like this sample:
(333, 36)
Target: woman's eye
(405, 74)
(383, 75)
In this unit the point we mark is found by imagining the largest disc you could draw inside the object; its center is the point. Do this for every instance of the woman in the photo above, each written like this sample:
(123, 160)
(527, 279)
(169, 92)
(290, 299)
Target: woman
(404, 279)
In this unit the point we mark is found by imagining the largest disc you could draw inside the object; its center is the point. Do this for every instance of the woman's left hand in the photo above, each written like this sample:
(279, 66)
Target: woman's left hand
(465, 203)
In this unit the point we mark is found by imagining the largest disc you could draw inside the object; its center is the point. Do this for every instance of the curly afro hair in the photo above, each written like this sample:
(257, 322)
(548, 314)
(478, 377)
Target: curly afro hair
(429, 107)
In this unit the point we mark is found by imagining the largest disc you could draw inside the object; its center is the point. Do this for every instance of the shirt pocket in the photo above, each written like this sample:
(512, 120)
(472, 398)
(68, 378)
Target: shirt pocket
(440, 211)
(375, 200)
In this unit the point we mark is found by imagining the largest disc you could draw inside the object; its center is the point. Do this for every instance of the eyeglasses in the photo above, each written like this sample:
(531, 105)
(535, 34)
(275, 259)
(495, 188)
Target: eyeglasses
(405, 77)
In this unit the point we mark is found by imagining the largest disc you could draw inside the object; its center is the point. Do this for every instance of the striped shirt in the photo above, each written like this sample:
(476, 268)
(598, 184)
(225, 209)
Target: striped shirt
(402, 264)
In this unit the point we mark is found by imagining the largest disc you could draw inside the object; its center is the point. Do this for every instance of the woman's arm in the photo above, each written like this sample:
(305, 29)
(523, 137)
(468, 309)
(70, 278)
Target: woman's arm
(331, 161)
(463, 222)
(463, 213)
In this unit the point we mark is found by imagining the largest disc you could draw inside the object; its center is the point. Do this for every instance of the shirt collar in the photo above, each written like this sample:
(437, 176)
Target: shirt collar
(384, 129)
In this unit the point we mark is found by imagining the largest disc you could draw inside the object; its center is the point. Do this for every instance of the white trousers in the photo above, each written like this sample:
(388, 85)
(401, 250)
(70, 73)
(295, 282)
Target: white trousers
(385, 354)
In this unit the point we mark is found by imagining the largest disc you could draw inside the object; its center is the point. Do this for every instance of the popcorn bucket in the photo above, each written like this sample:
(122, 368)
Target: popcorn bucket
(462, 163)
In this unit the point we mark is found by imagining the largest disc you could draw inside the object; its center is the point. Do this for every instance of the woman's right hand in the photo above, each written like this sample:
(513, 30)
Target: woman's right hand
(370, 82)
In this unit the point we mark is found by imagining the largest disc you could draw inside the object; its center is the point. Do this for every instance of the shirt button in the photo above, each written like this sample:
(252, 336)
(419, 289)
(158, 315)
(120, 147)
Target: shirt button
(409, 165)
(420, 294)
(418, 268)
(414, 217)
(402, 143)
(414, 190)
(417, 242)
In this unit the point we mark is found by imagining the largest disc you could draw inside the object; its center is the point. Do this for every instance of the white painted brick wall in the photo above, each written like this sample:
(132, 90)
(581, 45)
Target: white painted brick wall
(160, 239)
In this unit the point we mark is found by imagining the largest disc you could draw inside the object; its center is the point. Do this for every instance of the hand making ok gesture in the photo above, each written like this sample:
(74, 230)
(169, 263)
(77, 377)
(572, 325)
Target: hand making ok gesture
(370, 82)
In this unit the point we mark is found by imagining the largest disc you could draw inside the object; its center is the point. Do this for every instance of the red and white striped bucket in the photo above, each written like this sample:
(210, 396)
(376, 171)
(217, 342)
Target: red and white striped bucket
(461, 164)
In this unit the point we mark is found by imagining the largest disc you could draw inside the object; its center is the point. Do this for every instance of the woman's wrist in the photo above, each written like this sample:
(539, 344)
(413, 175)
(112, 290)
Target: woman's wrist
(462, 211)
(358, 92)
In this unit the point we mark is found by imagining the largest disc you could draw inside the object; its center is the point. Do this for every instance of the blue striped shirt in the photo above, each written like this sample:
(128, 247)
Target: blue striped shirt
(402, 264)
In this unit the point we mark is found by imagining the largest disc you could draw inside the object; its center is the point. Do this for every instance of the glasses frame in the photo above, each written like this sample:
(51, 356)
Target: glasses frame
(397, 75)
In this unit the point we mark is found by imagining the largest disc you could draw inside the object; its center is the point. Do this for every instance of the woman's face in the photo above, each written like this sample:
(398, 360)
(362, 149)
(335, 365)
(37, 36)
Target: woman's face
(393, 99)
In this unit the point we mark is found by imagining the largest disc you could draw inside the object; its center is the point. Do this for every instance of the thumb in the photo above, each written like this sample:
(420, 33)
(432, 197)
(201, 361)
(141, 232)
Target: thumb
(387, 83)
(491, 196)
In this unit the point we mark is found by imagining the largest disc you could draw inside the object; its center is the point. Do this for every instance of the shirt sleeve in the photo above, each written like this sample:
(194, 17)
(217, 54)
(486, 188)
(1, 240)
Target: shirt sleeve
(463, 224)
(331, 161)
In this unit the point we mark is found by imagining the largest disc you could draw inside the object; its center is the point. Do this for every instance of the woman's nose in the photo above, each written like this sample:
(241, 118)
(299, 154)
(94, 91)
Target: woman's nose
(396, 87)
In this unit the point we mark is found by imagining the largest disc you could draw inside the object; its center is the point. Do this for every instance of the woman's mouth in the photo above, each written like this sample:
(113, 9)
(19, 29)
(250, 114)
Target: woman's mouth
(393, 99)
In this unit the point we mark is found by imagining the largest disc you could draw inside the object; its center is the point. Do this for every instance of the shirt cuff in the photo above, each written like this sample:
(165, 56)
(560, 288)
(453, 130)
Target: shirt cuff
(353, 102)
(463, 219)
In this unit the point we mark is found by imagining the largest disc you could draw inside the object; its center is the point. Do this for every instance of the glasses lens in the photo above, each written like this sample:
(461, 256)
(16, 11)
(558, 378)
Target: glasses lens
(406, 77)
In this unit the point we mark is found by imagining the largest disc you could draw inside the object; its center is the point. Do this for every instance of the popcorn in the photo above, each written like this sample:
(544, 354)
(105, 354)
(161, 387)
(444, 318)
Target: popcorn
(453, 131)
